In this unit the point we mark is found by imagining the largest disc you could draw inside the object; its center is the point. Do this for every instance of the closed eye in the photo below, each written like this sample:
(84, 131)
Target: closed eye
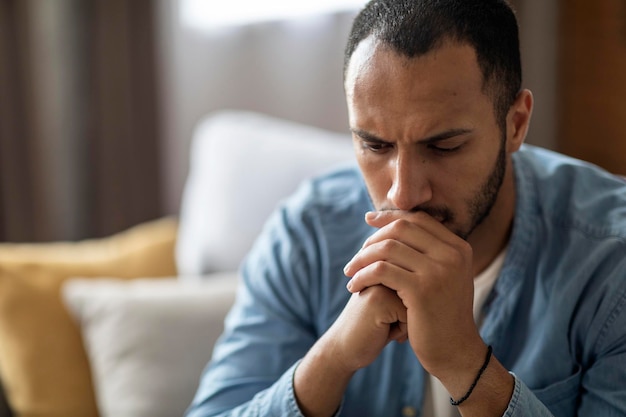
(449, 142)
(370, 142)
(375, 147)
(444, 149)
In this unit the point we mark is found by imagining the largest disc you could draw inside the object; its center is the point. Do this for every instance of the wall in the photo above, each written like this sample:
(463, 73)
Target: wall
(289, 69)
(592, 90)
(538, 20)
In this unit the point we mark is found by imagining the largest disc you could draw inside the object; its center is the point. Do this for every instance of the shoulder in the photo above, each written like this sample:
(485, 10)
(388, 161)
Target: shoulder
(336, 196)
(310, 237)
(323, 218)
(569, 242)
(572, 194)
(570, 232)
(570, 224)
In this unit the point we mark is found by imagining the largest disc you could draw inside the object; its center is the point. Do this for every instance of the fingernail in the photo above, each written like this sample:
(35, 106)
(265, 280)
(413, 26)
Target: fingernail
(349, 285)
(371, 215)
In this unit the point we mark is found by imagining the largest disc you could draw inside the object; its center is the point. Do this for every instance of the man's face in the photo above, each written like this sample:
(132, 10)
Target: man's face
(425, 134)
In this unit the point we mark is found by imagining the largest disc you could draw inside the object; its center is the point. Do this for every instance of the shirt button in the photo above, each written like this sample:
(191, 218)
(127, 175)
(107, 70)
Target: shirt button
(408, 412)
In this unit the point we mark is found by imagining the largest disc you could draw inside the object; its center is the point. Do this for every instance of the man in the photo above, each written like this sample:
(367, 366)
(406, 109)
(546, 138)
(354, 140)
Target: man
(500, 265)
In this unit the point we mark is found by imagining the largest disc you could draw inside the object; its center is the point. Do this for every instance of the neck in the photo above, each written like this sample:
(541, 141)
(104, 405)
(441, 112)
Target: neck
(492, 235)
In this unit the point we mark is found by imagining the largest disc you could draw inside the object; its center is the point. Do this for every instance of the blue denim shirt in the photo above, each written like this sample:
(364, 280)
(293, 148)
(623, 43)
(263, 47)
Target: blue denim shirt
(556, 317)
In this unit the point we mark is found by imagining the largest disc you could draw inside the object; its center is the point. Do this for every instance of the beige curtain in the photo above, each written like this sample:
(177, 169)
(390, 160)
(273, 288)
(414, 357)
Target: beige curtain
(79, 152)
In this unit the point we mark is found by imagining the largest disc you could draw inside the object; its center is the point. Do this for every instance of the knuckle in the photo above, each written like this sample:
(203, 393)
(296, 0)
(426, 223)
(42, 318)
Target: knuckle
(387, 246)
(379, 267)
(400, 225)
(459, 254)
(455, 256)
(465, 248)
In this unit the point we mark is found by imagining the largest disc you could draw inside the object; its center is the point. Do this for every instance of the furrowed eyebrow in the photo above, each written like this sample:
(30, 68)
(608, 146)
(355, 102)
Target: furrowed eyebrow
(449, 134)
(370, 137)
(445, 135)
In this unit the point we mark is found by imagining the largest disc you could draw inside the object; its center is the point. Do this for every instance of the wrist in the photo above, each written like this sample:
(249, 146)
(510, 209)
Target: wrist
(457, 369)
(475, 382)
(330, 353)
(320, 381)
(486, 392)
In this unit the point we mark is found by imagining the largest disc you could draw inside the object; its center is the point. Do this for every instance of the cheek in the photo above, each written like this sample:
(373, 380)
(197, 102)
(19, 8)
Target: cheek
(463, 183)
(376, 177)
(450, 177)
(455, 182)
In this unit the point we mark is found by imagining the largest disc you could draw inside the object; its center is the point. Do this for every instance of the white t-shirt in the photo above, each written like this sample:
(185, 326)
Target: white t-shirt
(437, 399)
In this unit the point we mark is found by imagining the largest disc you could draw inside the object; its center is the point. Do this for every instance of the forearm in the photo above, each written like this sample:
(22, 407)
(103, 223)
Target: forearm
(319, 384)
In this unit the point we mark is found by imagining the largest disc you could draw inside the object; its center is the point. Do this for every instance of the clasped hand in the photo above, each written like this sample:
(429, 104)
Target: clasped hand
(412, 280)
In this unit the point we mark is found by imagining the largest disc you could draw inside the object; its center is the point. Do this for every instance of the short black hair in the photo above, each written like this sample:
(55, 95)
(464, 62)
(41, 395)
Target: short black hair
(416, 27)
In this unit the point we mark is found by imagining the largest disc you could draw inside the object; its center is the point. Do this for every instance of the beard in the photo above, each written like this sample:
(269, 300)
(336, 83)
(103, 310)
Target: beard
(478, 206)
(483, 201)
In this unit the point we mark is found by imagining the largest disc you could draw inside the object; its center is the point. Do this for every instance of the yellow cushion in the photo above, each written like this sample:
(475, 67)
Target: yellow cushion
(43, 365)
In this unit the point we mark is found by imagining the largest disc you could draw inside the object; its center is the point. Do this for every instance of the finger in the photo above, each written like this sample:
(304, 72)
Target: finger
(380, 219)
(390, 307)
(392, 251)
(422, 233)
(382, 273)
(411, 234)
(398, 332)
(401, 332)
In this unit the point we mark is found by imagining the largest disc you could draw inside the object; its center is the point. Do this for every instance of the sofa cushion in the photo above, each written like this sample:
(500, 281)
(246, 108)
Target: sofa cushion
(43, 365)
(241, 165)
(148, 340)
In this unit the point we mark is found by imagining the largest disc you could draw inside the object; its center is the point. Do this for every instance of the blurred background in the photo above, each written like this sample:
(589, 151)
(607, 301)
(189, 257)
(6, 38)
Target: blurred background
(99, 98)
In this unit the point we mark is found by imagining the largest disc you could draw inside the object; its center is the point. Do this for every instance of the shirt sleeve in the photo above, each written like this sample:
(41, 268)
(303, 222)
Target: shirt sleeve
(524, 403)
(268, 330)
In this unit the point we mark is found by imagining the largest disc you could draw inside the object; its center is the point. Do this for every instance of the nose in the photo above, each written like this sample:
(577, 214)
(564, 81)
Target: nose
(410, 186)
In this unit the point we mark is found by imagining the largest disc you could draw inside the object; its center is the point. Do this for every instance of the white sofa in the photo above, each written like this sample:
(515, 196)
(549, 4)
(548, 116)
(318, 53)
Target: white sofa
(147, 339)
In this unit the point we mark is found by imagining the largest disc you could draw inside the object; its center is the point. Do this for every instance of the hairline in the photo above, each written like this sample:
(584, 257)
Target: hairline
(490, 85)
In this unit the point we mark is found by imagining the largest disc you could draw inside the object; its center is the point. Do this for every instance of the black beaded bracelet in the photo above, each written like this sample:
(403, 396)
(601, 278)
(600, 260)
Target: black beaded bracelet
(480, 372)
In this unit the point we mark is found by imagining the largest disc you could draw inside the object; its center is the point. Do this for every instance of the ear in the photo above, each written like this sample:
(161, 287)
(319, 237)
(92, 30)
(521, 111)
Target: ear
(518, 120)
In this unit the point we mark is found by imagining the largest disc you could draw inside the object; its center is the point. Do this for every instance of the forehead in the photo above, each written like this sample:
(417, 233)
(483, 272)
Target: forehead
(442, 83)
(452, 64)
